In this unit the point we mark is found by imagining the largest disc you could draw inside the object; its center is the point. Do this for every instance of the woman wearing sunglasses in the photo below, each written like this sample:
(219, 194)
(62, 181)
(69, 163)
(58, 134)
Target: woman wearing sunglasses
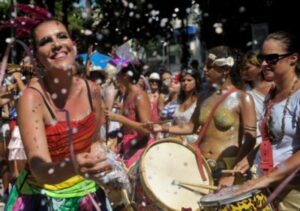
(230, 135)
(279, 151)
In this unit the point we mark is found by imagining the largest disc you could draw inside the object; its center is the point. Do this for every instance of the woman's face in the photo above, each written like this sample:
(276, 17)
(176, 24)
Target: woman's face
(174, 86)
(54, 47)
(122, 78)
(250, 72)
(213, 74)
(154, 84)
(188, 83)
(280, 65)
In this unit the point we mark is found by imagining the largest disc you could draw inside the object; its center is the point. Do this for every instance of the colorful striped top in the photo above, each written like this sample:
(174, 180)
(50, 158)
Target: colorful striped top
(82, 133)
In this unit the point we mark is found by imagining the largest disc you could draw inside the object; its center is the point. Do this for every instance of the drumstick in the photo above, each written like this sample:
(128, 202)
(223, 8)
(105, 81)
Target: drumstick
(210, 187)
(126, 200)
(191, 189)
(230, 171)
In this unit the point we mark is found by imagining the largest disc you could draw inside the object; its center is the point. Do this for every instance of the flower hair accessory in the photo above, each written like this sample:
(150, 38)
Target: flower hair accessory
(220, 62)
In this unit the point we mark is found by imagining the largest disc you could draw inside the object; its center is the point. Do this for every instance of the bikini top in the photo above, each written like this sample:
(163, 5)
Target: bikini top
(58, 134)
(223, 118)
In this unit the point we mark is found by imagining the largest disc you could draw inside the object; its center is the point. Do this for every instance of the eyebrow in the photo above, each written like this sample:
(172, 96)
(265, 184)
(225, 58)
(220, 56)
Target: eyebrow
(49, 37)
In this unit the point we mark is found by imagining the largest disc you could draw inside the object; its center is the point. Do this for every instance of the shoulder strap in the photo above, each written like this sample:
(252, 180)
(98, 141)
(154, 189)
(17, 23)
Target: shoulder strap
(203, 131)
(47, 105)
(89, 95)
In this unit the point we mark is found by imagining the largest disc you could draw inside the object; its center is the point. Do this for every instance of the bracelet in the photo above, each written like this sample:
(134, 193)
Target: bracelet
(165, 128)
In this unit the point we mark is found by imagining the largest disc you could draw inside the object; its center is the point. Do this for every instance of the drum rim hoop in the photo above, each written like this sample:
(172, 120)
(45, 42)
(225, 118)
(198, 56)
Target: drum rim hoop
(231, 199)
(148, 192)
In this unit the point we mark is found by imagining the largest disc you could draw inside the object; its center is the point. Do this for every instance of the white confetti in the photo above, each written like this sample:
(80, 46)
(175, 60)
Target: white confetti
(51, 171)
(63, 90)
(56, 80)
(54, 96)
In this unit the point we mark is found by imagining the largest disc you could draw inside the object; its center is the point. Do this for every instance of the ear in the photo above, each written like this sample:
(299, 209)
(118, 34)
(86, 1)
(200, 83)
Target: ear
(294, 59)
(75, 47)
(226, 71)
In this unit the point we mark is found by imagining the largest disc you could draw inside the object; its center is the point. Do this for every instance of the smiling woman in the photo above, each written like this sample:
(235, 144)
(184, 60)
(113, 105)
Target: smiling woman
(59, 117)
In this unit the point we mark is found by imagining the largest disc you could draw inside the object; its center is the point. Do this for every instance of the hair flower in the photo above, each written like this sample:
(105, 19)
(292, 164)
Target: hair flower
(229, 61)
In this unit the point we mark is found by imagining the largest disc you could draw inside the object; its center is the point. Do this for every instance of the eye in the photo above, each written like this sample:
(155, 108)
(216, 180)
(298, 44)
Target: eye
(44, 41)
(63, 35)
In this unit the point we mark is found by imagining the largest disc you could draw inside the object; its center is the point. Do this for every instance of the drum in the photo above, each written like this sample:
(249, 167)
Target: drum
(165, 168)
(226, 200)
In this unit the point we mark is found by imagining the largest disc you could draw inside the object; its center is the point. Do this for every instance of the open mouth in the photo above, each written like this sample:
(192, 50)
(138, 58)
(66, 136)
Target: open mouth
(59, 55)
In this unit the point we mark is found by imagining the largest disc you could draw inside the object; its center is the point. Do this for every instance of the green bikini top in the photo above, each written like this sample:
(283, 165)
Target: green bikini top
(223, 117)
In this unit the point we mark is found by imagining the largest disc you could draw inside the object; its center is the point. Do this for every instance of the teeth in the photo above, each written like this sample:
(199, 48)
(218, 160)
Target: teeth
(59, 55)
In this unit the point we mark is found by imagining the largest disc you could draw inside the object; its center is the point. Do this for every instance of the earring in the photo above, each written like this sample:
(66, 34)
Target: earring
(219, 89)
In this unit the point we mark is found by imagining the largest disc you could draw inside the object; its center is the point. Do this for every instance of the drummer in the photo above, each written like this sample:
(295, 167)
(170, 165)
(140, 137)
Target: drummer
(279, 152)
(231, 133)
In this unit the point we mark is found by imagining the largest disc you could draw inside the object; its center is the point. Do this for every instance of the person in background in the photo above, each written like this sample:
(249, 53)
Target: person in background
(155, 96)
(166, 78)
(171, 102)
(187, 100)
(136, 111)
(258, 87)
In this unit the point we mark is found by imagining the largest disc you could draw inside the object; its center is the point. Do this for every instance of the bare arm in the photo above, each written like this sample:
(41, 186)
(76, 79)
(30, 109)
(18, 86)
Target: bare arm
(248, 122)
(143, 112)
(32, 127)
(282, 171)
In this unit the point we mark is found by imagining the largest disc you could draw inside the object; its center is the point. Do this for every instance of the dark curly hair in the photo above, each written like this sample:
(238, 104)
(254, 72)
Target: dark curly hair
(133, 71)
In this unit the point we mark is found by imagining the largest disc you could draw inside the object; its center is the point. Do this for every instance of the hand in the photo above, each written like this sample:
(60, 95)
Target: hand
(153, 127)
(17, 75)
(91, 166)
(111, 115)
(243, 166)
(259, 183)
(117, 105)
(226, 181)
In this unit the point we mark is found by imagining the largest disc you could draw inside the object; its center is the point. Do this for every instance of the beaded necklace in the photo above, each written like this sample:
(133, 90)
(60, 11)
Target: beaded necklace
(273, 137)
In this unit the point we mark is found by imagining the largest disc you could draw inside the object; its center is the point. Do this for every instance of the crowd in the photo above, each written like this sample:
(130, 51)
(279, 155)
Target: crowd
(97, 140)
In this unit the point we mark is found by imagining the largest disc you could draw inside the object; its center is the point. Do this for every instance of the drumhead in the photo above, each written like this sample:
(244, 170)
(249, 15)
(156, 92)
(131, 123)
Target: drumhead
(226, 196)
(166, 163)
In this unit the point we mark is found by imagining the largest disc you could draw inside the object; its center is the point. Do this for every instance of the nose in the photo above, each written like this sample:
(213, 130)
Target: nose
(56, 44)
(263, 63)
(205, 68)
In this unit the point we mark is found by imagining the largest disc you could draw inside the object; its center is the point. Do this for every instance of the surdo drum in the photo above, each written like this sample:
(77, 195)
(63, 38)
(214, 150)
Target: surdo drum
(164, 170)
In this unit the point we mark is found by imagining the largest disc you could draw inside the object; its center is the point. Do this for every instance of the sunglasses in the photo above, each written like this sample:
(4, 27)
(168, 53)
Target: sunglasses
(272, 58)
(154, 81)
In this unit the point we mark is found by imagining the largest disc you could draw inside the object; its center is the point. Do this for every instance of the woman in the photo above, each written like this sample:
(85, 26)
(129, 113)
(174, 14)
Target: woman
(279, 151)
(258, 87)
(187, 99)
(156, 98)
(172, 101)
(59, 116)
(136, 110)
(231, 133)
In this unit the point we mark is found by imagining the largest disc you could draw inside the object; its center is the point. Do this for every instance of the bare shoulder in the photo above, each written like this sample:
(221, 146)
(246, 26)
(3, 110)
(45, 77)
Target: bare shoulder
(141, 96)
(30, 104)
(245, 99)
(30, 95)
